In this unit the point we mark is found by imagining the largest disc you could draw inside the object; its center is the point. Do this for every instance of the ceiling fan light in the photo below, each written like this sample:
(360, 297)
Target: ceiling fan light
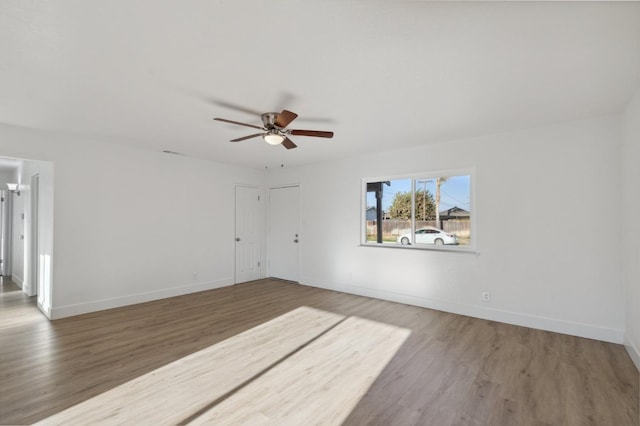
(273, 138)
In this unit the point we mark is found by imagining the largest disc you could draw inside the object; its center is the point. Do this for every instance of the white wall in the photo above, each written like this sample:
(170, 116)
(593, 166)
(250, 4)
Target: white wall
(548, 237)
(631, 225)
(132, 225)
(7, 176)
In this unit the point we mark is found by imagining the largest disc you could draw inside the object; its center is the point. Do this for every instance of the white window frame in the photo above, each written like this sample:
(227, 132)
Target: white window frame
(470, 171)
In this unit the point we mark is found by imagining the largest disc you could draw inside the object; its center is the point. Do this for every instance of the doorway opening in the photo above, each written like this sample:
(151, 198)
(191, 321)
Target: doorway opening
(26, 227)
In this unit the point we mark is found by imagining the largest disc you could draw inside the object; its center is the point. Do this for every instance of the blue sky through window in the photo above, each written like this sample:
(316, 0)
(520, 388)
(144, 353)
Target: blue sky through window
(455, 192)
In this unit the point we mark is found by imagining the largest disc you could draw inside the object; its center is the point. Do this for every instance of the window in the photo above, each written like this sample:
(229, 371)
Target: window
(421, 211)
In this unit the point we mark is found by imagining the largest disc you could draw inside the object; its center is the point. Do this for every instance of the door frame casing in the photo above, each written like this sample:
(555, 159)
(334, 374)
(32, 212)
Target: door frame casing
(34, 249)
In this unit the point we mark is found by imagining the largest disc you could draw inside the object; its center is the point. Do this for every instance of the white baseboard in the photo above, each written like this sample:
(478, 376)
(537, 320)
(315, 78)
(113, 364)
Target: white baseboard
(18, 280)
(541, 323)
(58, 312)
(633, 351)
(27, 288)
(45, 309)
(24, 286)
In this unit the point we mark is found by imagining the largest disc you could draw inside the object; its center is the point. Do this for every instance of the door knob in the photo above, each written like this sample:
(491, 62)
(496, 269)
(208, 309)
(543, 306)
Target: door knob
(237, 238)
(295, 241)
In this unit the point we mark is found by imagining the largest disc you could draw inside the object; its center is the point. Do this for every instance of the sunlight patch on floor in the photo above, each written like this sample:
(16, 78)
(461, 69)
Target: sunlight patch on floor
(305, 365)
(319, 385)
(9, 321)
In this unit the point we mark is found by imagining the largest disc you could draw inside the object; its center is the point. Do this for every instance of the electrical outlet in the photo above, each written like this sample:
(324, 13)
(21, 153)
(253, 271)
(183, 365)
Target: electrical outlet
(486, 296)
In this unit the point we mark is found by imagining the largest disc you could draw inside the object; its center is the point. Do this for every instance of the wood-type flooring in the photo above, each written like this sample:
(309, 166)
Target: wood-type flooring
(448, 370)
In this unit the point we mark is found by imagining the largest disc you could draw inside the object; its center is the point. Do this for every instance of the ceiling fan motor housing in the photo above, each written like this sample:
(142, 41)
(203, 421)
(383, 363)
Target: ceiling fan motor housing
(269, 120)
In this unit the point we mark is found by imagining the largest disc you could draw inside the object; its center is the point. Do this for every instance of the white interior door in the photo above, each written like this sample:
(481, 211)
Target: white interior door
(247, 234)
(284, 230)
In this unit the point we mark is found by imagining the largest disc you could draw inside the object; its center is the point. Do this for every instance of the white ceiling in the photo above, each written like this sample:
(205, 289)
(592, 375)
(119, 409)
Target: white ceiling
(9, 164)
(380, 74)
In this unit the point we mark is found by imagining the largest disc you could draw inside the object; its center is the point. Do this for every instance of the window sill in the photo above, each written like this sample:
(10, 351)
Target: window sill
(444, 248)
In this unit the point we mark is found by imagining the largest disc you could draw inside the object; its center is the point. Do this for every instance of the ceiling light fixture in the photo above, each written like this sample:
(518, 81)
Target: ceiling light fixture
(273, 137)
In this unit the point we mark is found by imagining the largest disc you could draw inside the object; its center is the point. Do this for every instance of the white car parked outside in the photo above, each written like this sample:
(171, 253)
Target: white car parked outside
(429, 235)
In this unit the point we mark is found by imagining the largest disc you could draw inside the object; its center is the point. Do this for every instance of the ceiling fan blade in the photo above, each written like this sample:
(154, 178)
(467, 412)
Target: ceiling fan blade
(288, 143)
(238, 123)
(284, 118)
(316, 133)
(236, 107)
(246, 137)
